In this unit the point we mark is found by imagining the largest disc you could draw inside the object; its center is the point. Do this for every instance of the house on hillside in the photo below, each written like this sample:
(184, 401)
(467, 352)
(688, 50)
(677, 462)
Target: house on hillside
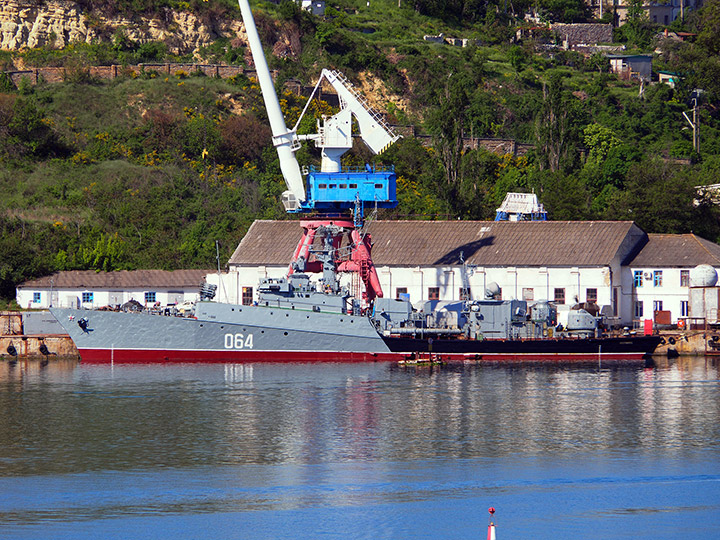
(87, 288)
(635, 66)
(315, 7)
(658, 12)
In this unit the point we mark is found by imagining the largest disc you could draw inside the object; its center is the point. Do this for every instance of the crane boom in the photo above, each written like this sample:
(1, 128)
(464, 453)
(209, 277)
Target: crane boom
(375, 133)
(284, 140)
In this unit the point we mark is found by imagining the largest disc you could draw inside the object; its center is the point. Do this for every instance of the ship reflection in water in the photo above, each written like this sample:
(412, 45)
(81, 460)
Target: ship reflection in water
(358, 451)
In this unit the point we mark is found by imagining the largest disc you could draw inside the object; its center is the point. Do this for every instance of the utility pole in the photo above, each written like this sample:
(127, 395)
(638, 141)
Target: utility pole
(695, 124)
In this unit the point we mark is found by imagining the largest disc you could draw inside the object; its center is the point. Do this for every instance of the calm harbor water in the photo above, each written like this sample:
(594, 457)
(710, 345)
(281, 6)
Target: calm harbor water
(359, 451)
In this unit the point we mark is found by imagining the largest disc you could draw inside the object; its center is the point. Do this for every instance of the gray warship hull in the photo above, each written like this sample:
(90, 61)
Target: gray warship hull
(224, 333)
(238, 333)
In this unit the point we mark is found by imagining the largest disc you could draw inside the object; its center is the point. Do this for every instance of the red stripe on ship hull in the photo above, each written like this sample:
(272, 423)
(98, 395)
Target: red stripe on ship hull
(145, 356)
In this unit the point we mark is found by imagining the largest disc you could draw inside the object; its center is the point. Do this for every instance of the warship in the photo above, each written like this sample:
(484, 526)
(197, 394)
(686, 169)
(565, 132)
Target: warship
(297, 319)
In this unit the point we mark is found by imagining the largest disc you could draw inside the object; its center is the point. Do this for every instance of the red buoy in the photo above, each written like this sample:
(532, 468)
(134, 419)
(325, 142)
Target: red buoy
(491, 525)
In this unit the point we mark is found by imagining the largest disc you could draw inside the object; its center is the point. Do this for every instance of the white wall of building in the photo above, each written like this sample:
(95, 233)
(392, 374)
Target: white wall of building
(532, 283)
(41, 298)
(670, 293)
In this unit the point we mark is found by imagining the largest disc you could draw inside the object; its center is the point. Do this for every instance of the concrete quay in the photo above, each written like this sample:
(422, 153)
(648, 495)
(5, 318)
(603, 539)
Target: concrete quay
(28, 346)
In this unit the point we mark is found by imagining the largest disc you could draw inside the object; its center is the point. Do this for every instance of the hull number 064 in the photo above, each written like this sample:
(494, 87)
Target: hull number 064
(238, 341)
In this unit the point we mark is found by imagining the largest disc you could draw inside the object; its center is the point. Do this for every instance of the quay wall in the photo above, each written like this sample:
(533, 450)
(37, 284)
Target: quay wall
(689, 343)
(29, 346)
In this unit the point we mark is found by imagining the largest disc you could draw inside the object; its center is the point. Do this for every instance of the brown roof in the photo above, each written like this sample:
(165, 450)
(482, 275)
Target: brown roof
(124, 279)
(486, 243)
(677, 250)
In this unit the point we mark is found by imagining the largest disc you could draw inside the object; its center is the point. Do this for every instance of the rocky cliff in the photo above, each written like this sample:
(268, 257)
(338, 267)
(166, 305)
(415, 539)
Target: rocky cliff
(56, 23)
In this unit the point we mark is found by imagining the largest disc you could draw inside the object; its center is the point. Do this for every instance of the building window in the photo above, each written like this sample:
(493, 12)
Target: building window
(36, 298)
(87, 297)
(657, 278)
(528, 294)
(247, 296)
(400, 293)
(465, 294)
(683, 308)
(638, 278)
(657, 305)
(638, 309)
(684, 278)
(560, 296)
(591, 295)
(433, 293)
(150, 297)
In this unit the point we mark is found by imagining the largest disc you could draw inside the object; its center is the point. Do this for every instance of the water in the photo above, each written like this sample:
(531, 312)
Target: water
(370, 451)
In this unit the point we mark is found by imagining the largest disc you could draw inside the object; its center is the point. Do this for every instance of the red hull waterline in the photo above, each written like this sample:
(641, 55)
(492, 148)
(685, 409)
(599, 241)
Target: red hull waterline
(149, 356)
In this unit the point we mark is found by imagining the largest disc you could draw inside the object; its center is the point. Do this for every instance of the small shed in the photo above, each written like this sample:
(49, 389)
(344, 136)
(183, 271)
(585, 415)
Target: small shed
(668, 77)
(316, 7)
(636, 66)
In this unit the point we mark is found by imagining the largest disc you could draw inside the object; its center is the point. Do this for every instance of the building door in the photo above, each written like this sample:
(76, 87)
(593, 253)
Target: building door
(116, 298)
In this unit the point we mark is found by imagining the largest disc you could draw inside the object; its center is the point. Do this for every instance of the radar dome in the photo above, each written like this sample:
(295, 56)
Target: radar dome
(493, 289)
(703, 275)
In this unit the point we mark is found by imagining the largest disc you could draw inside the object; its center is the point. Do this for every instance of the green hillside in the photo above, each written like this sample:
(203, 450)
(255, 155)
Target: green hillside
(149, 170)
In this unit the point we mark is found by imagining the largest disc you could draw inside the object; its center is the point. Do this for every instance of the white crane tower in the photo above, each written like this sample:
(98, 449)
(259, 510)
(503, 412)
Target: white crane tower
(331, 189)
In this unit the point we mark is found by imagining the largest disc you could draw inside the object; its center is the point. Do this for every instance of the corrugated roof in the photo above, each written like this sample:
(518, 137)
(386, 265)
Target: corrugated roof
(677, 250)
(125, 279)
(485, 243)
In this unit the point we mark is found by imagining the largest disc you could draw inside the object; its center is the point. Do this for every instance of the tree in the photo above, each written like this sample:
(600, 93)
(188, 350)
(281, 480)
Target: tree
(446, 122)
(660, 198)
(555, 128)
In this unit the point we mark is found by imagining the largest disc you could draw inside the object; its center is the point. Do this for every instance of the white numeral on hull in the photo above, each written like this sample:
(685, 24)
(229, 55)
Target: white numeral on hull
(238, 341)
